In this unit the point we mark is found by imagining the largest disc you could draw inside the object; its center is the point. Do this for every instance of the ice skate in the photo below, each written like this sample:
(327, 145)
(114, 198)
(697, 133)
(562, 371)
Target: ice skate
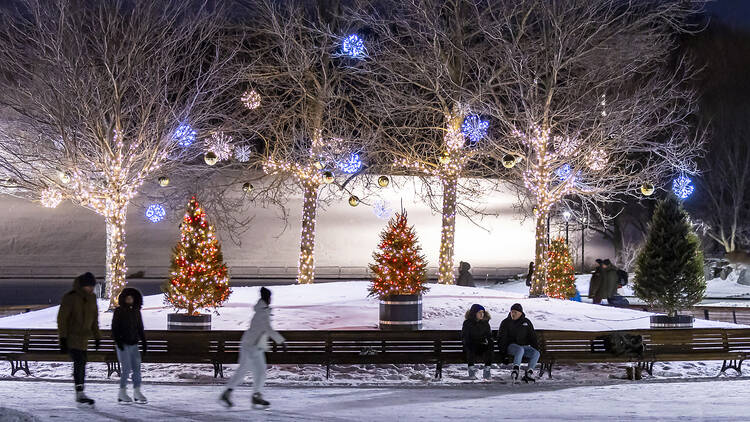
(259, 403)
(226, 398)
(138, 397)
(472, 373)
(83, 400)
(487, 373)
(529, 376)
(123, 397)
(514, 375)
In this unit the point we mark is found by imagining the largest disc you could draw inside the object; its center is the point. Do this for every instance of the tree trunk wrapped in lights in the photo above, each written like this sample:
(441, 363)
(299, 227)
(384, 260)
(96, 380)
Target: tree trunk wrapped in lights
(198, 277)
(539, 277)
(306, 272)
(116, 267)
(445, 268)
(561, 280)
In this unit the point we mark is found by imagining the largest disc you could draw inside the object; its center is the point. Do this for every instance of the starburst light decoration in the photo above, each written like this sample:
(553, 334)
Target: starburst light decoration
(221, 145)
(382, 210)
(351, 164)
(155, 213)
(251, 99)
(682, 186)
(184, 135)
(353, 46)
(598, 159)
(474, 128)
(242, 153)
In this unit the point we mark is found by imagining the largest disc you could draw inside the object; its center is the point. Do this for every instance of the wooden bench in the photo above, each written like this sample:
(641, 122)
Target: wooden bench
(432, 347)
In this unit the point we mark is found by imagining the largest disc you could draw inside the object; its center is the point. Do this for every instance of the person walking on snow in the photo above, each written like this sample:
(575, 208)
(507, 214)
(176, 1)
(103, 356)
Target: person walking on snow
(596, 283)
(464, 276)
(77, 323)
(127, 331)
(253, 348)
(517, 338)
(476, 335)
(610, 281)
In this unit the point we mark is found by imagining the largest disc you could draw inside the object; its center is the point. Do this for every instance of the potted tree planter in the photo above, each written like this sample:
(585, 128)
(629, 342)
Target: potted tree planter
(198, 278)
(400, 273)
(669, 269)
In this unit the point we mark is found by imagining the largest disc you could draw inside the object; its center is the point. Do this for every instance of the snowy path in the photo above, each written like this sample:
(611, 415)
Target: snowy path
(714, 400)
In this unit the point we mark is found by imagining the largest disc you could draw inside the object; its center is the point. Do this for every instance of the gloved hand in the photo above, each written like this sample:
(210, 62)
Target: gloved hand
(97, 343)
(64, 346)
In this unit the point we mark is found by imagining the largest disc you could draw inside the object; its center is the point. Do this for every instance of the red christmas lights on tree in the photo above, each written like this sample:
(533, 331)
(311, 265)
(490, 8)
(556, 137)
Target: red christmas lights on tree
(400, 268)
(198, 276)
(560, 274)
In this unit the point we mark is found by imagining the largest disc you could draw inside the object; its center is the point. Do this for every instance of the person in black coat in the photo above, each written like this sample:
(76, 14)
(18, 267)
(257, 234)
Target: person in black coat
(464, 276)
(127, 332)
(476, 335)
(517, 339)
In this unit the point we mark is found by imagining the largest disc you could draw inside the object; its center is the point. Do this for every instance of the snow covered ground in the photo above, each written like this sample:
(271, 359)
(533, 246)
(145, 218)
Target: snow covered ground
(706, 400)
(345, 306)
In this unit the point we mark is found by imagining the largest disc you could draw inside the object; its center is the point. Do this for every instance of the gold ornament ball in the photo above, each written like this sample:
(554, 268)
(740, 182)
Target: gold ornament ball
(445, 158)
(328, 177)
(247, 187)
(509, 161)
(64, 177)
(210, 158)
(647, 189)
(353, 200)
(164, 181)
(383, 181)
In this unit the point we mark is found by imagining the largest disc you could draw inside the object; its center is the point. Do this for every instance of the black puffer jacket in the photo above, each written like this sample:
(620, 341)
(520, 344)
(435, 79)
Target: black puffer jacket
(519, 331)
(127, 323)
(475, 333)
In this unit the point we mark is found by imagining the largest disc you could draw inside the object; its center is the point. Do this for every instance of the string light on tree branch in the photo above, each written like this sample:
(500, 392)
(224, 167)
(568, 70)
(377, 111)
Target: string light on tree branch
(51, 198)
(598, 159)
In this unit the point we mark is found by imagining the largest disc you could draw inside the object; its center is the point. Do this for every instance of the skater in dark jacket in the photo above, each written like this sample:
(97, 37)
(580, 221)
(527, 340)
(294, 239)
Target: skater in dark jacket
(476, 335)
(596, 283)
(77, 323)
(530, 274)
(464, 276)
(127, 332)
(517, 338)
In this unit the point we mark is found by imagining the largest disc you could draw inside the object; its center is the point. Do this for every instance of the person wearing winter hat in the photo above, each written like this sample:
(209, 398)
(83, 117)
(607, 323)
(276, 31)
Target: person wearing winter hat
(253, 348)
(127, 331)
(476, 336)
(77, 323)
(517, 339)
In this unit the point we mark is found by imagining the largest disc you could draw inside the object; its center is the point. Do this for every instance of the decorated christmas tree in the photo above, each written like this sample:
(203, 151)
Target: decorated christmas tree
(560, 276)
(669, 268)
(399, 268)
(198, 277)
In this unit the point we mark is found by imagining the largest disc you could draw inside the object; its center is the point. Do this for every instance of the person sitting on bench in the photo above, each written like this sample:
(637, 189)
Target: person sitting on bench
(476, 335)
(517, 339)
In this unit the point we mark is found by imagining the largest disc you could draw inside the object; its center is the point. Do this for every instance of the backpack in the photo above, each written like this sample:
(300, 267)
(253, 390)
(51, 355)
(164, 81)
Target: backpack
(622, 277)
(623, 344)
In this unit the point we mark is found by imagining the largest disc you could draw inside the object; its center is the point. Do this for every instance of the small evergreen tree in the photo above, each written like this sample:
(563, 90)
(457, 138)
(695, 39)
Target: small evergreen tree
(400, 268)
(198, 277)
(669, 268)
(561, 280)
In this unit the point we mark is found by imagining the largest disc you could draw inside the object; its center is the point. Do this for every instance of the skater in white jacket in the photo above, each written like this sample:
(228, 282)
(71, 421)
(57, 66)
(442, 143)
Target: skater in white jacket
(253, 352)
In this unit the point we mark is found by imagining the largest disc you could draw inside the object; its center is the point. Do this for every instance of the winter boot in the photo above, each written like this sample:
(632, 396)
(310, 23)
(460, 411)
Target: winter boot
(487, 373)
(81, 397)
(138, 396)
(226, 398)
(472, 372)
(123, 397)
(529, 376)
(258, 401)
(514, 374)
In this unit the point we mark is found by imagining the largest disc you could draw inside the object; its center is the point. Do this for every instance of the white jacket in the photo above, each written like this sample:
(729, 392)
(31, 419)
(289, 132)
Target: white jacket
(260, 329)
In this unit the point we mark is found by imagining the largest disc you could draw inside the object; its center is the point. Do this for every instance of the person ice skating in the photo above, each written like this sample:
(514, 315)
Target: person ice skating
(530, 274)
(127, 332)
(77, 323)
(596, 282)
(464, 276)
(476, 335)
(517, 338)
(253, 346)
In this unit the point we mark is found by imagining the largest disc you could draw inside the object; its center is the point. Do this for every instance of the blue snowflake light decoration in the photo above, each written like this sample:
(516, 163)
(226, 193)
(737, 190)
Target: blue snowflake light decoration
(155, 213)
(474, 128)
(184, 135)
(351, 165)
(564, 172)
(353, 46)
(682, 186)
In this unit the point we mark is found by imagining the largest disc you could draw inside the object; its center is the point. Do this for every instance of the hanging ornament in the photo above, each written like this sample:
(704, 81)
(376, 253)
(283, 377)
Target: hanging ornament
(184, 135)
(353, 200)
(445, 158)
(474, 128)
(328, 177)
(164, 181)
(155, 213)
(64, 177)
(50, 198)
(682, 186)
(647, 189)
(353, 46)
(383, 181)
(509, 161)
(251, 99)
(352, 164)
(210, 158)
(247, 187)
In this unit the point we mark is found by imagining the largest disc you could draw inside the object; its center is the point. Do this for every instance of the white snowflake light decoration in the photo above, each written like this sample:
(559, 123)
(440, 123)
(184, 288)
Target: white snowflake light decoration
(242, 153)
(682, 186)
(251, 99)
(382, 210)
(50, 198)
(351, 164)
(220, 144)
(598, 159)
(155, 213)
(184, 135)
(353, 46)
(474, 128)
(565, 146)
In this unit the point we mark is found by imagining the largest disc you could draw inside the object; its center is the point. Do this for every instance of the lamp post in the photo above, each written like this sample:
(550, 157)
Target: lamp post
(566, 216)
(583, 244)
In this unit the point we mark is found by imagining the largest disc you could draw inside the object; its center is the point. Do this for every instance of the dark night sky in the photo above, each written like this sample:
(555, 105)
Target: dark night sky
(732, 12)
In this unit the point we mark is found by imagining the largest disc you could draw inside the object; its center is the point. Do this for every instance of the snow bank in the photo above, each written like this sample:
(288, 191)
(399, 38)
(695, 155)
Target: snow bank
(345, 306)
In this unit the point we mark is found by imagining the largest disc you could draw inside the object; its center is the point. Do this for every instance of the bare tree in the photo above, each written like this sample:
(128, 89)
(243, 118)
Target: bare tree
(591, 97)
(303, 61)
(104, 96)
